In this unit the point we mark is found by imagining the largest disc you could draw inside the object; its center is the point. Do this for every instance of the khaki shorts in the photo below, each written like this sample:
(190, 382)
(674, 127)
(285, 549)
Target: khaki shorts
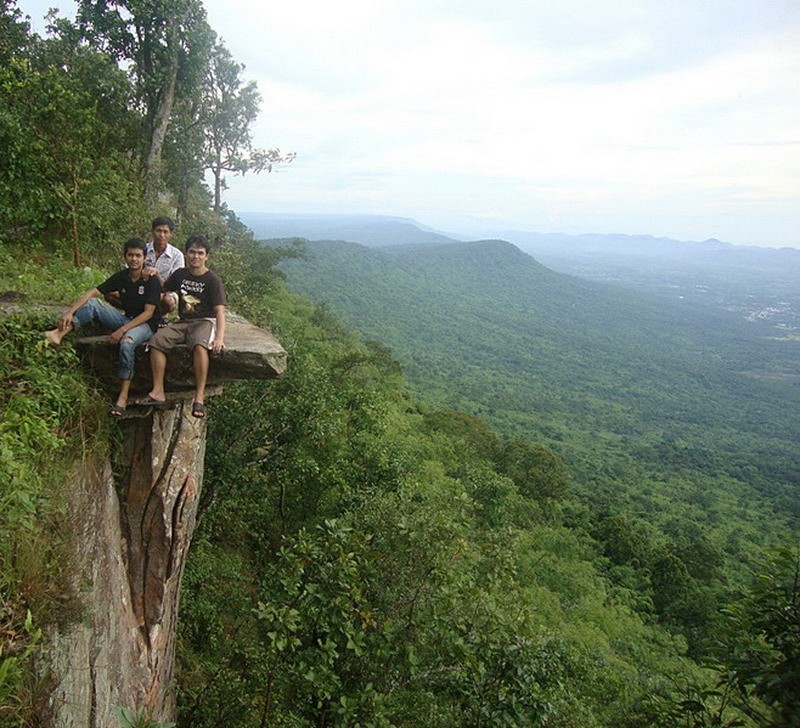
(198, 332)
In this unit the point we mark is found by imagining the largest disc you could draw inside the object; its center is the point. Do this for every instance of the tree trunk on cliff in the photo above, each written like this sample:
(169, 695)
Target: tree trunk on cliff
(217, 190)
(163, 114)
(165, 48)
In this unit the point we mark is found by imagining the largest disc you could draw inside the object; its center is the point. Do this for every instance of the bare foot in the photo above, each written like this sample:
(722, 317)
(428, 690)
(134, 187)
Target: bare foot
(54, 336)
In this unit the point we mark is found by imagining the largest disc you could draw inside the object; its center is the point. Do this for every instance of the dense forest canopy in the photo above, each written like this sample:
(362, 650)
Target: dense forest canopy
(690, 401)
(363, 556)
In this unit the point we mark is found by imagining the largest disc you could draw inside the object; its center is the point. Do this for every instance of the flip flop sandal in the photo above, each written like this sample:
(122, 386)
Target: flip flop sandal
(116, 411)
(198, 409)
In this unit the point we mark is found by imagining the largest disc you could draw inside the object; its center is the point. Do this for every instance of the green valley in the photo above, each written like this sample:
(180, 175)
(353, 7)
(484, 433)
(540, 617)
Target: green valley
(675, 410)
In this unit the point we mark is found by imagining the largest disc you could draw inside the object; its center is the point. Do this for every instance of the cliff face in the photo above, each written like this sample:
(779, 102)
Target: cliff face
(132, 543)
(133, 529)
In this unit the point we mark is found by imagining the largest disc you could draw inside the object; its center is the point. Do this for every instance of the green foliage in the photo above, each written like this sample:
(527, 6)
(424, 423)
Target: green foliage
(537, 471)
(47, 423)
(45, 278)
(624, 388)
(469, 434)
(42, 398)
(14, 30)
(80, 134)
(251, 268)
(138, 719)
(228, 109)
(85, 121)
(18, 640)
(759, 643)
(695, 708)
(633, 396)
(362, 558)
(154, 41)
(357, 561)
(196, 112)
(400, 614)
(65, 126)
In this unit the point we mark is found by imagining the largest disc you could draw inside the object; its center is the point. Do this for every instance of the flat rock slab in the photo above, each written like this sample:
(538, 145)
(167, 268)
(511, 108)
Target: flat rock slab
(250, 353)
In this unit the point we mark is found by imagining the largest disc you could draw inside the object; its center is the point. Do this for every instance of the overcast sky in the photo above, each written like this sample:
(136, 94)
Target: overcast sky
(678, 119)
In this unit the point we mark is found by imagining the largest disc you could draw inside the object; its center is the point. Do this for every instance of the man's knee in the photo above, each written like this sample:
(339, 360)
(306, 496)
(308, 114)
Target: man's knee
(128, 343)
(89, 309)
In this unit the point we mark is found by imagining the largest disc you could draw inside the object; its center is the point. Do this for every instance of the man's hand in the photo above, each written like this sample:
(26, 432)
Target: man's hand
(147, 272)
(116, 336)
(114, 299)
(217, 346)
(65, 322)
(168, 301)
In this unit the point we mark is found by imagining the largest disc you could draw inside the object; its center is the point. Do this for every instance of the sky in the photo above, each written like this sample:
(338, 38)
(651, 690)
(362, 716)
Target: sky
(677, 119)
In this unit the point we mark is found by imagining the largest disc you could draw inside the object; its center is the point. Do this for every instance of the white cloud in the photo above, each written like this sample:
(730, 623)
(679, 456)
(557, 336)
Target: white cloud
(682, 116)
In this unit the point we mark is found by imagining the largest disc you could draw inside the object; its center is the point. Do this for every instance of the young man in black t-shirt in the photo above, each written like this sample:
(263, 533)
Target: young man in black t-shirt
(201, 326)
(130, 327)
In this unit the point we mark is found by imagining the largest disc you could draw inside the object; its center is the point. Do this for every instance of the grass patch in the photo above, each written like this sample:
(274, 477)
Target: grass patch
(44, 278)
(51, 420)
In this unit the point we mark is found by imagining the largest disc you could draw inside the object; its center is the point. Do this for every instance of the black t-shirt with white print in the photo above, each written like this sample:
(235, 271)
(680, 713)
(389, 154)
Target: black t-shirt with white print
(197, 295)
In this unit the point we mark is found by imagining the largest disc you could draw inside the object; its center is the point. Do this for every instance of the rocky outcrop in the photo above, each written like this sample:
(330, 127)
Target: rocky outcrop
(134, 530)
(250, 353)
(133, 537)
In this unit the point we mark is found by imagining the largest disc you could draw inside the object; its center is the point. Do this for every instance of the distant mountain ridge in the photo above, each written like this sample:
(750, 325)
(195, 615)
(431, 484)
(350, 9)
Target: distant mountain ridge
(706, 252)
(611, 243)
(757, 283)
(370, 230)
(384, 230)
(493, 279)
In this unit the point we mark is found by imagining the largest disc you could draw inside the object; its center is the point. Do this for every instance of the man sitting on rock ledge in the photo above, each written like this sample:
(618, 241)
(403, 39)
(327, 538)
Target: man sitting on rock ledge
(201, 325)
(130, 327)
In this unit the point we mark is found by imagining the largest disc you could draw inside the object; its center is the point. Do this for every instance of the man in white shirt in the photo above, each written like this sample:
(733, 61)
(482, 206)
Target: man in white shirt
(163, 258)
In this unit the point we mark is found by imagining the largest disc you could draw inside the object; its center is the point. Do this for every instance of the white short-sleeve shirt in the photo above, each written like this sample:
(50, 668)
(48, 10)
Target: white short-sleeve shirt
(167, 263)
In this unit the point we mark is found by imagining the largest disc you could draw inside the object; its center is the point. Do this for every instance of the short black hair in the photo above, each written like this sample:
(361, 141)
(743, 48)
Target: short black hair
(158, 221)
(198, 241)
(136, 243)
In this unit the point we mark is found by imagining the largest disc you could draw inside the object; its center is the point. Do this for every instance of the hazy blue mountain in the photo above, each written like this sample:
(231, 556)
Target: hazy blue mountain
(638, 245)
(756, 283)
(647, 245)
(369, 230)
(384, 231)
(642, 251)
